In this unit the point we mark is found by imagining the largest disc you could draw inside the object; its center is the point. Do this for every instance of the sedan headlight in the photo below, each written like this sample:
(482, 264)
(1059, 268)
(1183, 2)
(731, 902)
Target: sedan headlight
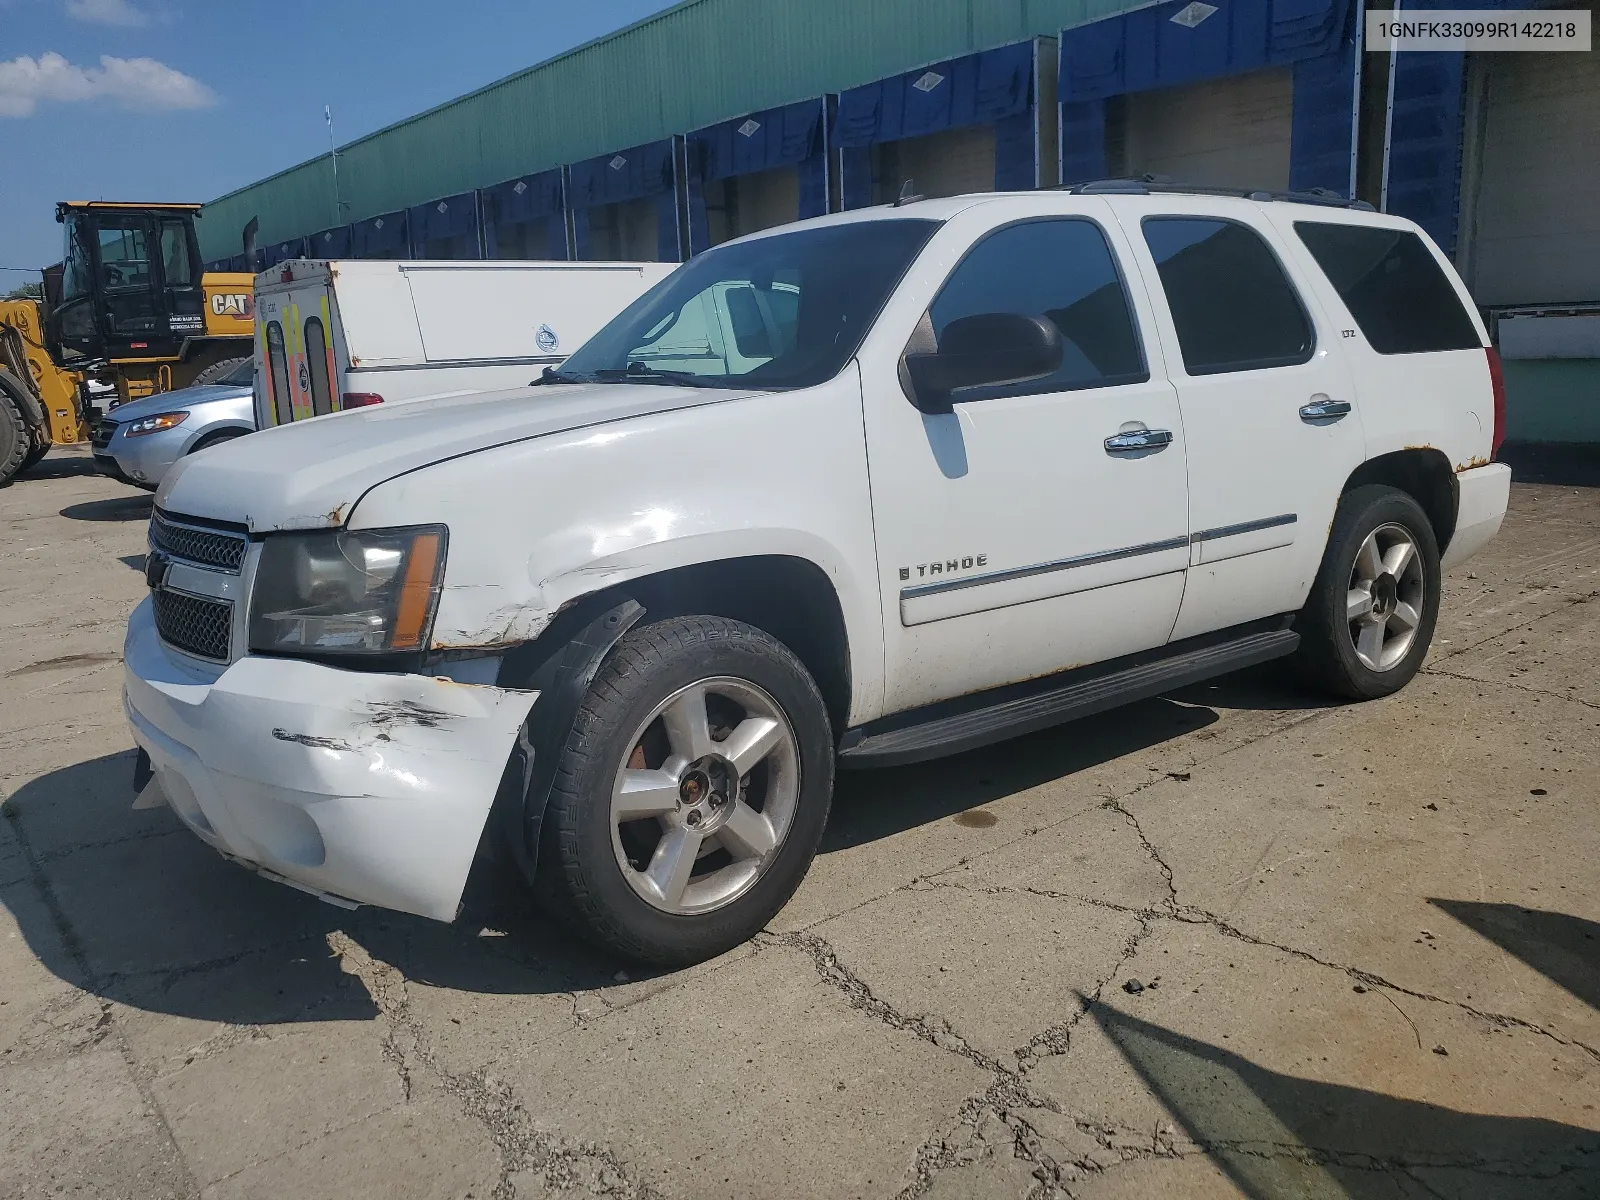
(352, 592)
(153, 424)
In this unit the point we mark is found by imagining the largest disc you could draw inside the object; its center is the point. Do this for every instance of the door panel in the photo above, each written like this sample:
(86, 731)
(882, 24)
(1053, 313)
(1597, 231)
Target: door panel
(1012, 542)
(1263, 479)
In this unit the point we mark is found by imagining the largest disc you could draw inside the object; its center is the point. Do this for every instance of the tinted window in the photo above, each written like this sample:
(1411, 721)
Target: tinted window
(1061, 270)
(817, 291)
(1233, 307)
(278, 375)
(175, 261)
(317, 365)
(241, 376)
(1393, 287)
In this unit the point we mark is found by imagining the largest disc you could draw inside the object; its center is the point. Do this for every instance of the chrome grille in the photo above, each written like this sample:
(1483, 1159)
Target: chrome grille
(103, 433)
(206, 547)
(193, 624)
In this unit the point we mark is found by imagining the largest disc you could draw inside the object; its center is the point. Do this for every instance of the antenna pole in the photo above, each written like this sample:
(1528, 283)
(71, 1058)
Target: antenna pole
(333, 153)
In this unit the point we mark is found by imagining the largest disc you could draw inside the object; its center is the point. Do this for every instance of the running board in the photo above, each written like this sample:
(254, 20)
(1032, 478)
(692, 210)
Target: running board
(1063, 698)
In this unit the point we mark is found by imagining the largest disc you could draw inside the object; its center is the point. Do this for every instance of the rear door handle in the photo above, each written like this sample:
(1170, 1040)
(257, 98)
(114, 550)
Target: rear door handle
(1323, 409)
(1138, 439)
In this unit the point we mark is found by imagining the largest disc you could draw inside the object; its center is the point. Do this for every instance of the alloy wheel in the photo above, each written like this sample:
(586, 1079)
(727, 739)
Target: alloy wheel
(705, 797)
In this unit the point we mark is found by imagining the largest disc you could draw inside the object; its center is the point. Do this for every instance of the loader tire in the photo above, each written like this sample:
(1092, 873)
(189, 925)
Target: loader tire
(217, 370)
(16, 438)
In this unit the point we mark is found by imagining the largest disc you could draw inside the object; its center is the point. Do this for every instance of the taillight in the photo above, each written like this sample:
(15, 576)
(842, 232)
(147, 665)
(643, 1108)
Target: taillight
(1497, 380)
(361, 399)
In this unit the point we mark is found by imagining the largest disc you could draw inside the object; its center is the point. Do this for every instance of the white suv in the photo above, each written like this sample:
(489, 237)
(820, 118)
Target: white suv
(863, 490)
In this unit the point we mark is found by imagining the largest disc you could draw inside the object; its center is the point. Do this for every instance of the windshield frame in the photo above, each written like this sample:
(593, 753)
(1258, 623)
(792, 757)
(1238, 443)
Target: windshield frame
(603, 359)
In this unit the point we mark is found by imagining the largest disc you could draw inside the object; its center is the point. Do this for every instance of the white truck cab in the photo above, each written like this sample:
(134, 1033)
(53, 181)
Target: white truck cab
(332, 335)
(863, 490)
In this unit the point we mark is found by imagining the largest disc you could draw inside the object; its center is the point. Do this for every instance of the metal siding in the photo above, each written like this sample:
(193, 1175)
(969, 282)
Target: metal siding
(629, 88)
(1537, 236)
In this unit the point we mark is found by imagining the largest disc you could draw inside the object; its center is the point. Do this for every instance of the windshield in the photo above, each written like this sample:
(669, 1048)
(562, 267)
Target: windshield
(778, 312)
(241, 376)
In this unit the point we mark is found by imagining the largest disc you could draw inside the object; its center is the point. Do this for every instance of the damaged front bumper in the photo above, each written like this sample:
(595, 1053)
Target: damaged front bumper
(355, 786)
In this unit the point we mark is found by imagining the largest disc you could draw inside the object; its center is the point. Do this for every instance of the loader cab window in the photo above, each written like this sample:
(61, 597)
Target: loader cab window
(77, 273)
(176, 259)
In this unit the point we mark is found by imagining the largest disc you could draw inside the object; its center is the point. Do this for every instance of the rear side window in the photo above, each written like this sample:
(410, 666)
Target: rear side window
(1060, 269)
(278, 368)
(1234, 308)
(317, 365)
(1393, 287)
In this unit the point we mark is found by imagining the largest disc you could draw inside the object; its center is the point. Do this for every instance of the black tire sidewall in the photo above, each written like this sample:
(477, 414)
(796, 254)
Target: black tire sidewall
(1326, 645)
(649, 665)
(15, 441)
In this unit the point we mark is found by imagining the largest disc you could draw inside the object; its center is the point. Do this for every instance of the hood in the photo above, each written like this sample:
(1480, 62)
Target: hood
(188, 397)
(309, 475)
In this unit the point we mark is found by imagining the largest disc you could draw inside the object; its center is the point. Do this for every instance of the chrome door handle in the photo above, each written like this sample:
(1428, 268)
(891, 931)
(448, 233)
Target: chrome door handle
(1323, 409)
(1138, 439)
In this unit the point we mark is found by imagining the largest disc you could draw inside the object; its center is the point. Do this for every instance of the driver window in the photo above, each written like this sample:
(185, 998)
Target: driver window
(1061, 269)
(175, 260)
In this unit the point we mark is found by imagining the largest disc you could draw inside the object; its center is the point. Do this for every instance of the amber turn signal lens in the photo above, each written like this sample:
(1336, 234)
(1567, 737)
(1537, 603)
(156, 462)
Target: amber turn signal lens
(416, 593)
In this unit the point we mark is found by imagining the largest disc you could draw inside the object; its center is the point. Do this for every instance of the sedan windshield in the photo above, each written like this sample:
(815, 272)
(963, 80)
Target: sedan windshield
(783, 311)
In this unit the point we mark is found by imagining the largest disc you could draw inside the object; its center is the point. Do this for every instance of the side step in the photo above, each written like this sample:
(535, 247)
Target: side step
(938, 731)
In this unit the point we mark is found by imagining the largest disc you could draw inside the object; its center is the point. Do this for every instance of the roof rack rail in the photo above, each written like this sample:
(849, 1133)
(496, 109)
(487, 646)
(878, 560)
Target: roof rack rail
(1144, 185)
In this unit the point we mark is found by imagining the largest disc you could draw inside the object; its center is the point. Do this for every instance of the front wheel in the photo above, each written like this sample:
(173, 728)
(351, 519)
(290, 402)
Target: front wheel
(692, 791)
(1369, 620)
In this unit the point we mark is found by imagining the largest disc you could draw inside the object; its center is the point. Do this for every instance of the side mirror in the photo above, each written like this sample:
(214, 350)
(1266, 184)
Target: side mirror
(985, 349)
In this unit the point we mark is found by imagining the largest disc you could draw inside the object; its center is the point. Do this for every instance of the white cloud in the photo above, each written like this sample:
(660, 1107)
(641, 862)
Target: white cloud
(106, 12)
(140, 83)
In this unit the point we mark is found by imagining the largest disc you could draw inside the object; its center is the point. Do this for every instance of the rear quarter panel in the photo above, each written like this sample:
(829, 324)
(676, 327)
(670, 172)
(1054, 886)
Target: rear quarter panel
(1442, 400)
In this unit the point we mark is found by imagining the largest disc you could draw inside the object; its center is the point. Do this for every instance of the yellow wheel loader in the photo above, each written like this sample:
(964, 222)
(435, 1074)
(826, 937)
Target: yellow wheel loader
(127, 306)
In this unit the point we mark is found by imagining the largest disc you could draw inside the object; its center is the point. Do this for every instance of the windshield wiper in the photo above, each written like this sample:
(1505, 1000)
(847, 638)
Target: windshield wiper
(638, 371)
(551, 375)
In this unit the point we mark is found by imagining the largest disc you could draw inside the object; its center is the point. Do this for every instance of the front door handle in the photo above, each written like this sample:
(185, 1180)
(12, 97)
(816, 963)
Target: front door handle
(1138, 439)
(1323, 409)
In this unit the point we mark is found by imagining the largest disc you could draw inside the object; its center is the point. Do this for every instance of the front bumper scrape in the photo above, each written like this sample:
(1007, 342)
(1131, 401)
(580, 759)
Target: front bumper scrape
(370, 787)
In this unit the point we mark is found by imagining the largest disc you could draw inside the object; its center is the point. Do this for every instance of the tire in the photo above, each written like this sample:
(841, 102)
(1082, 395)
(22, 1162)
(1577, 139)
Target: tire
(16, 439)
(1357, 652)
(613, 874)
(35, 456)
(217, 370)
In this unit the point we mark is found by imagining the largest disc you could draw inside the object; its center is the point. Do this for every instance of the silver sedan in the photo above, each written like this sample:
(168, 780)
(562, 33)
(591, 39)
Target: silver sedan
(139, 441)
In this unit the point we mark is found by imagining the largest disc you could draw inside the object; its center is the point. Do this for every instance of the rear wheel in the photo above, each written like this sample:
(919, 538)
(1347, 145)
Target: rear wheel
(36, 455)
(692, 791)
(217, 370)
(16, 439)
(1369, 620)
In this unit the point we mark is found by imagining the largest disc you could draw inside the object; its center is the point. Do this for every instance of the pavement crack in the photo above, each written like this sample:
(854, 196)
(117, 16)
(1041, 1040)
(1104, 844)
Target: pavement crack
(1116, 806)
(1510, 683)
(563, 1163)
(1367, 978)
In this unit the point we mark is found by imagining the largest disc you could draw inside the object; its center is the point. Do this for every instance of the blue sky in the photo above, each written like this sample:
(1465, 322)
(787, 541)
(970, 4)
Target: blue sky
(188, 99)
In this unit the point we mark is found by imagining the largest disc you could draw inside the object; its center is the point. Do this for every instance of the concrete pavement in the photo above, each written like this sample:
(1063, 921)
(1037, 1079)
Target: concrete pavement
(1232, 942)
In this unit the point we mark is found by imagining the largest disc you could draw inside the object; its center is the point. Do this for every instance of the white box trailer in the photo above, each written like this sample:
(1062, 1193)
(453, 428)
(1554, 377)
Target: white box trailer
(343, 334)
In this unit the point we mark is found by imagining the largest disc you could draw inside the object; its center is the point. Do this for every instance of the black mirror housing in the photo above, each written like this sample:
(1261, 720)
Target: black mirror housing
(986, 349)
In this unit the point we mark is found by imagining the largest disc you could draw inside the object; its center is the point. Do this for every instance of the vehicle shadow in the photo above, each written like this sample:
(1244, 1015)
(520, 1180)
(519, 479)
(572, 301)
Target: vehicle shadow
(61, 466)
(1277, 1135)
(870, 805)
(132, 906)
(1564, 949)
(118, 508)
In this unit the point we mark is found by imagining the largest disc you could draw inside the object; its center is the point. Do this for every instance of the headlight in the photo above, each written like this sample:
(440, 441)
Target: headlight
(154, 424)
(361, 592)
